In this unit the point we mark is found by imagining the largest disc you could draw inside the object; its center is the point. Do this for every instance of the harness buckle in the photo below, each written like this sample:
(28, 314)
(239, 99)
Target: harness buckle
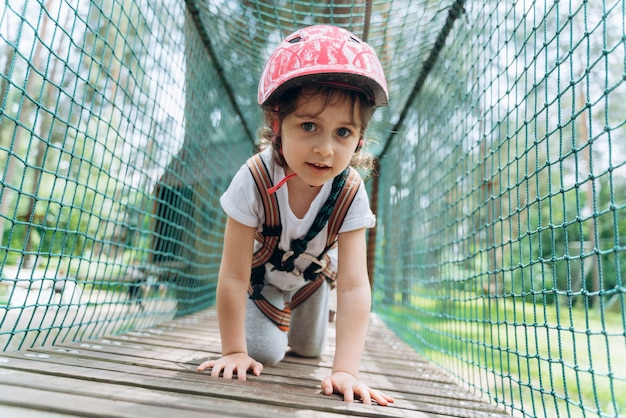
(321, 263)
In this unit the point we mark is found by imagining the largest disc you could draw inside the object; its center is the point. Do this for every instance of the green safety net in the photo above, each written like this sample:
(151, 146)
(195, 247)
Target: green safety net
(500, 186)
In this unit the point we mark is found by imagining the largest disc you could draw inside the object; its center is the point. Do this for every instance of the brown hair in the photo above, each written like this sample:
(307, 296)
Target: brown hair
(287, 104)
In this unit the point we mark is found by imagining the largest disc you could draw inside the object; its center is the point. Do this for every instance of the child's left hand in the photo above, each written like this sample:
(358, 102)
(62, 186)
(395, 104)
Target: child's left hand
(346, 384)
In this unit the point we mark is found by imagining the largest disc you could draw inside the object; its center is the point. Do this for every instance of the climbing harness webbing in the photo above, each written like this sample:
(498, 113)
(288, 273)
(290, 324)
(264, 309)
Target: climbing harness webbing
(282, 317)
(333, 212)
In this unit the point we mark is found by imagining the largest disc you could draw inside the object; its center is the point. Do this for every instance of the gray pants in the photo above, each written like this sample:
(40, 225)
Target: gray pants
(307, 332)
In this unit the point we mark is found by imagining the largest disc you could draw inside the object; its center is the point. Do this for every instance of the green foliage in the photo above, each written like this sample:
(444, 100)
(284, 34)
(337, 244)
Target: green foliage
(534, 339)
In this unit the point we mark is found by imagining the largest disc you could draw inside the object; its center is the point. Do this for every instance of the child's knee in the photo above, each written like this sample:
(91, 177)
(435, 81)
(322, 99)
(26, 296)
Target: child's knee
(268, 352)
(312, 350)
(268, 359)
(266, 343)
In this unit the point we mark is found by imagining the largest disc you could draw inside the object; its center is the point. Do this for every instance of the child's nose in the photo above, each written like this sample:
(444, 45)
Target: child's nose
(325, 145)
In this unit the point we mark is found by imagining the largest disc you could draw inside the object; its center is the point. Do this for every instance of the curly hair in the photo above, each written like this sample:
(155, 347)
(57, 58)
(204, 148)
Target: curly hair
(287, 104)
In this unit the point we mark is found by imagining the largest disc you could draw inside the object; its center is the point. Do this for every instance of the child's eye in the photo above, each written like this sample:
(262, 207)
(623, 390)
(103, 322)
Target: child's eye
(344, 132)
(308, 126)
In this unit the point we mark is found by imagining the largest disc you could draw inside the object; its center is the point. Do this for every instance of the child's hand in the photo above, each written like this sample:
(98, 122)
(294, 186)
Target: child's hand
(228, 365)
(349, 386)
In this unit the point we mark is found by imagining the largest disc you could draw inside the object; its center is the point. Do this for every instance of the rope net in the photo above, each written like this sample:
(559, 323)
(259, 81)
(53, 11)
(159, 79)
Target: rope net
(500, 189)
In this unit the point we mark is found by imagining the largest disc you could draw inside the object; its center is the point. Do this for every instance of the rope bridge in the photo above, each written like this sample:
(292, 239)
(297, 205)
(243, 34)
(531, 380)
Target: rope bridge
(500, 185)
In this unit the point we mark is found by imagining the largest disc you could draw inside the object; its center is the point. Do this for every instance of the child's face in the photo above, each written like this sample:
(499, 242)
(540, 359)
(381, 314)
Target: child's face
(320, 137)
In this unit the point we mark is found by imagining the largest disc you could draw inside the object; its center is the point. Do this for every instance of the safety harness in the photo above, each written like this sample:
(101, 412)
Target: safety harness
(333, 212)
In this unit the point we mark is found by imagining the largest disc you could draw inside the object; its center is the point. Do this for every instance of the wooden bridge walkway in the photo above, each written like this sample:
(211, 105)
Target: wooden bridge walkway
(152, 374)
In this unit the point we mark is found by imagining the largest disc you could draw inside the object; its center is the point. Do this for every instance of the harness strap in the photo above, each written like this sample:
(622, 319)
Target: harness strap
(298, 246)
(282, 317)
(344, 200)
(333, 212)
(342, 204)
(272, 227)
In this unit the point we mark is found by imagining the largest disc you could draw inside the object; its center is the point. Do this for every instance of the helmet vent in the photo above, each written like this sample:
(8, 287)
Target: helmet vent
(323, 54)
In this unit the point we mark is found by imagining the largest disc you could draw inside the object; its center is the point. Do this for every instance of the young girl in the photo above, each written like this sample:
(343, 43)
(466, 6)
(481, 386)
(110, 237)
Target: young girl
(318, 90)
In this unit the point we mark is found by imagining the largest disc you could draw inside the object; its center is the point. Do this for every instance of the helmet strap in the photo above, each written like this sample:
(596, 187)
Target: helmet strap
(275, 122)
(359, 146)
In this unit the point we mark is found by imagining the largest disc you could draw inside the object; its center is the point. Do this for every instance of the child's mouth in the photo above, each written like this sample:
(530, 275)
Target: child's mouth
(319, 169)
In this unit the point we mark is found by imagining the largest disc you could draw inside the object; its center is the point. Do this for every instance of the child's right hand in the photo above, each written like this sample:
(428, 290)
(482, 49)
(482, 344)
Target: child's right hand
(240, 363)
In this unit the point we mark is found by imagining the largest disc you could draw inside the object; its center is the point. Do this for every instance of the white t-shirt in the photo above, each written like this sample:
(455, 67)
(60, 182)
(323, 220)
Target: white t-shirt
(242, 202)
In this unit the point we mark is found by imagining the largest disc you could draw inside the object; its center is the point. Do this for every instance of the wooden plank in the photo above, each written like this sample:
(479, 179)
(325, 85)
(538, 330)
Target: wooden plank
(291, 367)
(306, 396)
(286, 373)
(152, 372)
(63, 403)
(137, 396)
(19, 412)
(289, 375)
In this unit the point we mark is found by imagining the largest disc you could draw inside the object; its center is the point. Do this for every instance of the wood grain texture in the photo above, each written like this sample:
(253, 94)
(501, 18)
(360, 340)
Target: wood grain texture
(151, 373)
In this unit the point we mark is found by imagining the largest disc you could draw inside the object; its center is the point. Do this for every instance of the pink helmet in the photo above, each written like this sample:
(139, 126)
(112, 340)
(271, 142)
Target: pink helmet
(323, 54)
